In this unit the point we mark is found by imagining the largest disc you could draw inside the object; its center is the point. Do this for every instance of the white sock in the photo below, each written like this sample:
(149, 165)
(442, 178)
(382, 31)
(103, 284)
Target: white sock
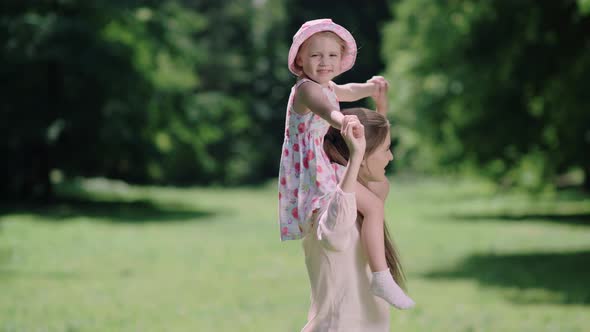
(383, 286)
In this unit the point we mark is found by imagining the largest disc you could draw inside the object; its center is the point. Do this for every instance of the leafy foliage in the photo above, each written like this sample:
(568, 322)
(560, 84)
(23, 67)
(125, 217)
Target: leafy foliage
(499, 85)
(194, 92)
(156, 91)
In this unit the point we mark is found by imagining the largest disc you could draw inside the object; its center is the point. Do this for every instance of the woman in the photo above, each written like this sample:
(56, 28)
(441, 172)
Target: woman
(339, 273)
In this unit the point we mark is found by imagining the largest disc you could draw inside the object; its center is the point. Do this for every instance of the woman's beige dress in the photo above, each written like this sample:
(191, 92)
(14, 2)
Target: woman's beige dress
(339, 273)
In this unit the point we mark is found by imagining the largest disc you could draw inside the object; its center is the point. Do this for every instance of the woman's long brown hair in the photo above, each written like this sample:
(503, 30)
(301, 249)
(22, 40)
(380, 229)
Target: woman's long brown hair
(376, 129)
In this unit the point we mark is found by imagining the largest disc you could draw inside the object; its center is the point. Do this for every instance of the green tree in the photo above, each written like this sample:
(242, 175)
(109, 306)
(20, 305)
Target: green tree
(146, 91)
(497, 84)
(171, 91)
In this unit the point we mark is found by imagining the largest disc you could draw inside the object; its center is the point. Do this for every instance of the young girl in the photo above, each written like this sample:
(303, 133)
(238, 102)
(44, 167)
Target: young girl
(320, 51)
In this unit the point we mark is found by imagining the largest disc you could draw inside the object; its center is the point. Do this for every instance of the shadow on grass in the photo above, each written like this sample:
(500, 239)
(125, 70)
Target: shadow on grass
(564, 273)
(582, 219)
(136, 211)
(7, 274)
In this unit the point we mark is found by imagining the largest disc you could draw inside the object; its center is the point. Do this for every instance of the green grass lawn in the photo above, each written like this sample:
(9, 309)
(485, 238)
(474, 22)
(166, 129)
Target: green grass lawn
(126, 258)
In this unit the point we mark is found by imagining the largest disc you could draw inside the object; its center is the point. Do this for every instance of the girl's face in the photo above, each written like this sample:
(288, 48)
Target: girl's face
(320, 57)
(375, 163)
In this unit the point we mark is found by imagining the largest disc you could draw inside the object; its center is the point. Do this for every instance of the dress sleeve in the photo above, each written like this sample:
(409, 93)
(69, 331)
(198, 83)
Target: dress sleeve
(337, 222)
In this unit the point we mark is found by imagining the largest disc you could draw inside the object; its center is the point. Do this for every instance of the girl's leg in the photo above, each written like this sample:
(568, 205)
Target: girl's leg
(383, 285)
(372, 209)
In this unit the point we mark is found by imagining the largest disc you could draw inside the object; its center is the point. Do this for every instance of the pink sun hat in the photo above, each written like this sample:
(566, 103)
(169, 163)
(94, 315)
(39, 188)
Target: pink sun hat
(324, 24)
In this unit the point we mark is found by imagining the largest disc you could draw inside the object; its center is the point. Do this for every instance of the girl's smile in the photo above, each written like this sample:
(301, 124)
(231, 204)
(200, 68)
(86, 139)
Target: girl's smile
(320, 58)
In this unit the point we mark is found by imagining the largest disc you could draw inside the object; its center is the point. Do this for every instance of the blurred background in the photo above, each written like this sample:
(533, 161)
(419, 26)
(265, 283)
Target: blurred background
(141, 141)
(193, 92)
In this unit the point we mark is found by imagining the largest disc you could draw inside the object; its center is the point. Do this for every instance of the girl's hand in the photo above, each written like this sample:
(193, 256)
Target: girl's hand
(380, 85)
(353, 133)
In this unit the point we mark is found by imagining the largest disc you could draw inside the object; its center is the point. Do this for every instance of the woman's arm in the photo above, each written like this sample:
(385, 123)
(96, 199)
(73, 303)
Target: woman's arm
(336, 223)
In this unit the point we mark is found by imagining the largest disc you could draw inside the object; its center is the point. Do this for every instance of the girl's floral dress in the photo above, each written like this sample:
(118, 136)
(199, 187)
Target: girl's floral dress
(306, 177)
